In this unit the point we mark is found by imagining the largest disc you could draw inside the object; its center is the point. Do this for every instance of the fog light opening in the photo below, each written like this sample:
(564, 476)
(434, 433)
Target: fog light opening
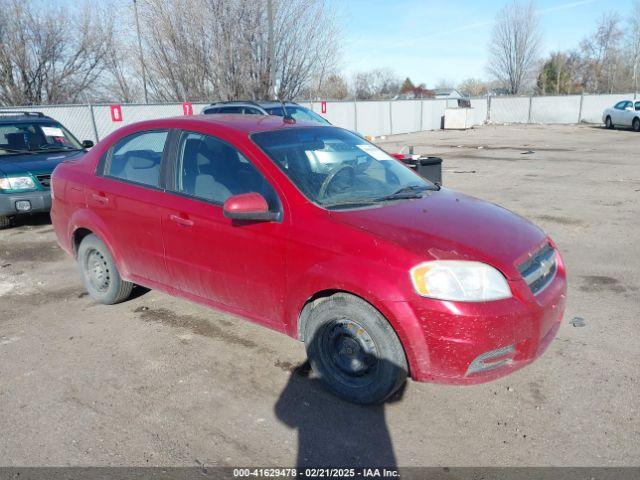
(23, 205)
(492, 359)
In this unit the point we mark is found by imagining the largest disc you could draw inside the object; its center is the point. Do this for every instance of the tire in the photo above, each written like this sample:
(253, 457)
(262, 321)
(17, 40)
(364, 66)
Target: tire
(354, 350)
(99, 272)
(5, 222)
(636, 124)
(608, 123)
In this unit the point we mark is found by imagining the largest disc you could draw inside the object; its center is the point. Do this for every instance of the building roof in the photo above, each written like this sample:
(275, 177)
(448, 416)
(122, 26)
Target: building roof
(448, 92)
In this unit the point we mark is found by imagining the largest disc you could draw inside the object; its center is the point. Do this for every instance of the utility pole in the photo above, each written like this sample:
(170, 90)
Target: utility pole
(270, 49)
(144, 70)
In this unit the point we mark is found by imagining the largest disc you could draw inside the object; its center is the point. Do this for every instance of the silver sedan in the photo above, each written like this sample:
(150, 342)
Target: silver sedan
(623, 114)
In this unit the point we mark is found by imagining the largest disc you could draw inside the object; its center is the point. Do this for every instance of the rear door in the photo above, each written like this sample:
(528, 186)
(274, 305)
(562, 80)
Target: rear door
(240, 265)
(126, 197)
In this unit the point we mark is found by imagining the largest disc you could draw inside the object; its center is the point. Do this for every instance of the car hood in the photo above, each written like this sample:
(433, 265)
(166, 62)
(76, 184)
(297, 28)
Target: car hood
(449, 225)
(35, 163)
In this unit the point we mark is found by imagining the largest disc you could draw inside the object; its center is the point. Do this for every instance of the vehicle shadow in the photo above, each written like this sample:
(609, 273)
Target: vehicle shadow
(32, 220)
(333, 432)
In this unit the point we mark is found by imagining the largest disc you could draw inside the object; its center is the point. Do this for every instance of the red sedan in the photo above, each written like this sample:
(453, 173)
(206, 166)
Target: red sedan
(314, 232)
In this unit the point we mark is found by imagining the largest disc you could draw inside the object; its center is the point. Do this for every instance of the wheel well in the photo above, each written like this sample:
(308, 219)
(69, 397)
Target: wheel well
(78, 236)
(318, 297)
(312, 302)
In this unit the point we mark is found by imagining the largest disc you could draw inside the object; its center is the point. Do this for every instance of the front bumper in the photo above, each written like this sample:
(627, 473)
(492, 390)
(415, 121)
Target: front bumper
(468, 343)
(39, 201)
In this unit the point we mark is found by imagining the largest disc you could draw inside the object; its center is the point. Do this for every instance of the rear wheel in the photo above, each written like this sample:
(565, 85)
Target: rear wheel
(608, 123)
(354, 350)
(5, 222)
(99, 272)
(636, 124)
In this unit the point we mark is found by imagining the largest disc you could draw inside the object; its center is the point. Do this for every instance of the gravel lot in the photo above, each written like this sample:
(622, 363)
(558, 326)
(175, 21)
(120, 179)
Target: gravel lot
(161, 381)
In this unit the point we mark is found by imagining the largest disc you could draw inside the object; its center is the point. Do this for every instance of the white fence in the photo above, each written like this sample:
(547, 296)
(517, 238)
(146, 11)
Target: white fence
(374, 118)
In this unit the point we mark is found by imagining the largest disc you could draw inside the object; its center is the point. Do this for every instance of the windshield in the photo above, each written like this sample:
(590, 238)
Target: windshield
(335, 168)
(24, 137)
(298, 113)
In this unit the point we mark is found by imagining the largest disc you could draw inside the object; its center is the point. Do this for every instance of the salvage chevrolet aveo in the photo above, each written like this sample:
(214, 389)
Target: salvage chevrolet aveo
(314, 232)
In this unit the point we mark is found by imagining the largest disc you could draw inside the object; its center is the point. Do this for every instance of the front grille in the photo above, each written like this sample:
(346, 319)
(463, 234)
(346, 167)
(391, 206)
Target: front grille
(540, 269)
(44, 179)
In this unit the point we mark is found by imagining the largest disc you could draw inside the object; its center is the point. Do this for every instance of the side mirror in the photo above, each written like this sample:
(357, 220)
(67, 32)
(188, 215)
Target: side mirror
(248, 206)
(87, 144)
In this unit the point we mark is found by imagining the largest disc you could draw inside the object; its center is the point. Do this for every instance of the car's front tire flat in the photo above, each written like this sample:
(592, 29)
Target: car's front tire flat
(354, 350)
(99, 272)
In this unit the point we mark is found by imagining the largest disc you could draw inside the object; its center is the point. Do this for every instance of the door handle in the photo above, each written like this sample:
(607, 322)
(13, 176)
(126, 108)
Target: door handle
(100, 198)
(185, 222)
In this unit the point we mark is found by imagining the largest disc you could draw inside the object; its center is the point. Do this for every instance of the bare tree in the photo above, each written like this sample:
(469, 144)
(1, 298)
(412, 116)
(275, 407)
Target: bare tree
(634, 42)
(473, 87)
(515, 45)
(334, 87)
(376, 84)
(220, 49)
(49, 55)
(602, 55)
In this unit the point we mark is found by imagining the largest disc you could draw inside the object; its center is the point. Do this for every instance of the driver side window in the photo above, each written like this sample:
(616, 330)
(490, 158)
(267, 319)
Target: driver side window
(212, 170)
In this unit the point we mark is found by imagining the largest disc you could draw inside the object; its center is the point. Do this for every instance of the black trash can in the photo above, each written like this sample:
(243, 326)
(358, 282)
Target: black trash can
(427, 167)
(430, 168)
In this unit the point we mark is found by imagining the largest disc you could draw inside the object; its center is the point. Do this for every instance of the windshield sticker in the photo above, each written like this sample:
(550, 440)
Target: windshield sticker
(52, 131)
(375, 152)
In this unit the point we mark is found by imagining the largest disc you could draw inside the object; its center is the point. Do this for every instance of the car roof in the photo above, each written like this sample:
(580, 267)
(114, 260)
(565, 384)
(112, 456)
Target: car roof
(251, 103)
(30, 117)
(231, 122)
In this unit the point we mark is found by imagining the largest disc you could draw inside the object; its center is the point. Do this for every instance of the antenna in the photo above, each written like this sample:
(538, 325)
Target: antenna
(286, 117)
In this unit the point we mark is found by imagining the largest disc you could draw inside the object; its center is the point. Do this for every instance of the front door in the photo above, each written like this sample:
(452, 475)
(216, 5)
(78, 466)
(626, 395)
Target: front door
(239, 265)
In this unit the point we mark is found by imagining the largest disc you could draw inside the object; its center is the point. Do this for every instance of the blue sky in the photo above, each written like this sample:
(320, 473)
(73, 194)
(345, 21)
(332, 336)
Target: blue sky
(429, 40)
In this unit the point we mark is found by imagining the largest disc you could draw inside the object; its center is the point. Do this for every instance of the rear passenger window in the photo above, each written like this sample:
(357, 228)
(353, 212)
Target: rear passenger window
(212, 170)
(137, 158)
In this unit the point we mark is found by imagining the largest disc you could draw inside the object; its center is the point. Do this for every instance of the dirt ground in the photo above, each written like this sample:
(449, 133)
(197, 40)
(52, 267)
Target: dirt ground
(161, 381)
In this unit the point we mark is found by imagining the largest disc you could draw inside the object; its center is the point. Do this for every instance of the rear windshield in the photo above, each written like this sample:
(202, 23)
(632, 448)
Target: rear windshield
(299, 113)
(25, 137)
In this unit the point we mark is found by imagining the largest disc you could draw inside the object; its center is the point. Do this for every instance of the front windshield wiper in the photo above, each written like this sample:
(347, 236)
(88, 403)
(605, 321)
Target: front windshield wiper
(410, 191)
(13, 151)
(57, 148)
(349, 203)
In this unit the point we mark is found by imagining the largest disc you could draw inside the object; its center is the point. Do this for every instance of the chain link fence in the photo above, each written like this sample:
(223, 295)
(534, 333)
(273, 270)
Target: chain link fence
(375, 118)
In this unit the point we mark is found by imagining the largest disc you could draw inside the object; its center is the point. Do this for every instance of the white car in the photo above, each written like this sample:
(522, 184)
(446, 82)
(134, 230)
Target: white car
(623, 114)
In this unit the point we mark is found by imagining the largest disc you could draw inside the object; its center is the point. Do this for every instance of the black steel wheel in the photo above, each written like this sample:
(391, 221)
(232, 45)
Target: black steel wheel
(354, 350)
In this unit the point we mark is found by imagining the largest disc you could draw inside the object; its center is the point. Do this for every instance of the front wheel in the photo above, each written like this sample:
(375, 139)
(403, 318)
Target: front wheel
(608, 123)
(636, 124)
(100, 274)
(354, 350)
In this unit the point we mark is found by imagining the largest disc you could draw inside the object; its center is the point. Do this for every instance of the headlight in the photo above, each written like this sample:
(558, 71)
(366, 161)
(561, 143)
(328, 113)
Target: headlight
(460, 281)
(17, 183)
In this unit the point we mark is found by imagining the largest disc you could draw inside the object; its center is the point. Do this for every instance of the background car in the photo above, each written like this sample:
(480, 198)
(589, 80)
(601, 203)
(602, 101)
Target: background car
(623, 114)
(298, 112)
(31, 146)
